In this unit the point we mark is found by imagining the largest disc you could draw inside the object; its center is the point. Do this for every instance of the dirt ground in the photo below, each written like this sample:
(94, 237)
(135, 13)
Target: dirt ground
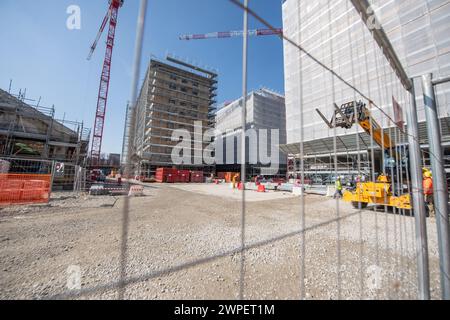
(184, 243)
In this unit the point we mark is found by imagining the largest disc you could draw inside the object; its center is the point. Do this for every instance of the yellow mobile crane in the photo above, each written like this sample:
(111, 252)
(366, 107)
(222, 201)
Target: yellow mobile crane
(374, 192)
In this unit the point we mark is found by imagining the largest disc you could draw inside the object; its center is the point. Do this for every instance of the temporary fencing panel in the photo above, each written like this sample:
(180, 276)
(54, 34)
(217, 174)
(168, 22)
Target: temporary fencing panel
(341, 253)
(25, 181)
(24, 188)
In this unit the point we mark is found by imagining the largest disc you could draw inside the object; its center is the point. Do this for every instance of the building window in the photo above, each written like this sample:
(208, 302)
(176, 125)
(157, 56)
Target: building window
(173, 77)
(183, 104)
(184, 81)
(195, 92)
(172, 86)
(183, 89)
(172, 101)
(195, 107)
(195, 84)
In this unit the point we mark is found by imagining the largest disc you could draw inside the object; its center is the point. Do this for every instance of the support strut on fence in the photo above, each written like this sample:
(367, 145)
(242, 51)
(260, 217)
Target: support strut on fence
(440, 191)
(418, 199)
(140, 28)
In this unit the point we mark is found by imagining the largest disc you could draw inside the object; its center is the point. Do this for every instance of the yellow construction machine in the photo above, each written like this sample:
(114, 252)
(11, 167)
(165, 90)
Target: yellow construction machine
(373, 192)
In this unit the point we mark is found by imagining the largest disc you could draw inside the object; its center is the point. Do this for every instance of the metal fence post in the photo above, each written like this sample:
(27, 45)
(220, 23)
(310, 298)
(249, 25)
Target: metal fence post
(440, 191)
(243, 147)
(76, 179)
(418, 199)
(52, 179)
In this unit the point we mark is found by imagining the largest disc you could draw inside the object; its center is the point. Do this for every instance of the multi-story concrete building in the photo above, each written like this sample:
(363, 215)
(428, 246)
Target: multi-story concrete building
(175, 95)
(333, 32)
(265, 111)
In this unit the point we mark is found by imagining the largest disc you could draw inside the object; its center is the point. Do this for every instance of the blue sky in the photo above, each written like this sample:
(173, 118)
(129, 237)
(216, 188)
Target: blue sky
(40, 54)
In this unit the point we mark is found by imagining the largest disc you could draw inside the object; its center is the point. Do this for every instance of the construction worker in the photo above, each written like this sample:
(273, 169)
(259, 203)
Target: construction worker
(338, 185)
(234, 179)
(428, 191)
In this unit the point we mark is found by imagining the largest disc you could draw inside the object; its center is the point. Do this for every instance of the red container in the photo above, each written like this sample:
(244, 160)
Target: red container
(183, 176)
(171, 178)
(197, 176)
(163, 173)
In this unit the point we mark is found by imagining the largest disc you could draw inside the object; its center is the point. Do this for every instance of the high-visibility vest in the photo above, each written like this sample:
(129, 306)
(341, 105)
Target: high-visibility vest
(427, 186)
(338, 185)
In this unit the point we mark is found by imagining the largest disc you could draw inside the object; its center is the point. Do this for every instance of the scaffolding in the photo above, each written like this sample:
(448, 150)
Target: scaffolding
(265, 110)
(174, 95)
(29, 129)
(357, 58)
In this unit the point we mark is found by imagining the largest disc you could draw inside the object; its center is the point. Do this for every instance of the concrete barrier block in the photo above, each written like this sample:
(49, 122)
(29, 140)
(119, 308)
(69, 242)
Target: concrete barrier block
(298, 191)
(330, 191)
(136, 191)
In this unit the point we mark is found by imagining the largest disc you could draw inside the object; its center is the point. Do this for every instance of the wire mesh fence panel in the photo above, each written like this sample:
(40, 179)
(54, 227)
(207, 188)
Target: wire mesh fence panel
(70, 177)
(24, 181)
(23, 165)
(347, 228)
(373, 85)
(356, 245)
(63, 176)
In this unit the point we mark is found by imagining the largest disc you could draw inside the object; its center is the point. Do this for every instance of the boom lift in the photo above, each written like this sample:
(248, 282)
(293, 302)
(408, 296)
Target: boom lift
(374, 192)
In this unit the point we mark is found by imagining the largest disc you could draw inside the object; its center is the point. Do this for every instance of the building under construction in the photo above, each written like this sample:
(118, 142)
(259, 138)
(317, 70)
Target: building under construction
(265, 112)
(31, 131)
(334, 32)
(175, 95)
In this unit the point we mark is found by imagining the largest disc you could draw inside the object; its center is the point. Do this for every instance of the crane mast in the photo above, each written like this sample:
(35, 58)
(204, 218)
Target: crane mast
(102, 99)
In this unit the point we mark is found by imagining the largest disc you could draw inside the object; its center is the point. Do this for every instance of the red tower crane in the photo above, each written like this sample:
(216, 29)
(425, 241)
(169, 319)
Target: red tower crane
(100, 114)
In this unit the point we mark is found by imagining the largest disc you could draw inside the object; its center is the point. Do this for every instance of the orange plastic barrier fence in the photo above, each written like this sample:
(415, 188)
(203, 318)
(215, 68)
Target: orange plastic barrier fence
(24, 188)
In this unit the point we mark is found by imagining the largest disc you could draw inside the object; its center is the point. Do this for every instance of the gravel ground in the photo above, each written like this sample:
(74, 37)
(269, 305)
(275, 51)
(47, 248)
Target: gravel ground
(70, 202)
(225, 191)
(185, 245)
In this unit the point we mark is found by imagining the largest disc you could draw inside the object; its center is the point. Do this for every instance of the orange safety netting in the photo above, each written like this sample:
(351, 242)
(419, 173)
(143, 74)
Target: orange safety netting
(24, 188)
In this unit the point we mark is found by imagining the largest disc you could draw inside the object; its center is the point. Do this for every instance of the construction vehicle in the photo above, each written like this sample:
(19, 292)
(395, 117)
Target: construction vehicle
(377, 192)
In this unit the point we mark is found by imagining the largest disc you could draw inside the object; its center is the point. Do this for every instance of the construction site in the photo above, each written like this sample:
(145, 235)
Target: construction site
(336, 188)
